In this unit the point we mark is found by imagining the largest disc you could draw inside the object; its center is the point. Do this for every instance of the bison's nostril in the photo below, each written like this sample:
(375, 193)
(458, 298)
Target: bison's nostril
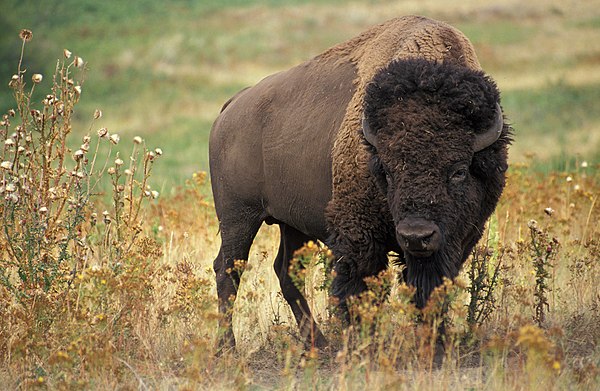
(417, 240)
(427, 237)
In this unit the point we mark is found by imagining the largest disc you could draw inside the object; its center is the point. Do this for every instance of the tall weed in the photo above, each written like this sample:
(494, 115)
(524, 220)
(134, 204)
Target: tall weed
(72, 279)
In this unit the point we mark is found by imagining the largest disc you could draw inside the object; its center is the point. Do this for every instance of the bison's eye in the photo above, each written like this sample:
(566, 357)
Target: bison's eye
(459, 174)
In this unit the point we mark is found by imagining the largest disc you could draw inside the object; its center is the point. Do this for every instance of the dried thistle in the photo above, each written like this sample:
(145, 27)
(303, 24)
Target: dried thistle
(26, 35)
(484, 277)
(103, 132)
(78, 62)
(543, 250)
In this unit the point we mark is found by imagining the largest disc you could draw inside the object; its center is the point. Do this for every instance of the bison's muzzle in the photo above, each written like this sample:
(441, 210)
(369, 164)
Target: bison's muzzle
(418, 237)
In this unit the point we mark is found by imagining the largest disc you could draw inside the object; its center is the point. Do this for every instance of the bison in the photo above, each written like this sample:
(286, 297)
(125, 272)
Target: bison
(392, 141)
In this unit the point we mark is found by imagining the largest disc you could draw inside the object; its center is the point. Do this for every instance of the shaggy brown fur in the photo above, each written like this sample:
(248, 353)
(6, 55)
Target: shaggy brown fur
(418, 152)
(351, 214)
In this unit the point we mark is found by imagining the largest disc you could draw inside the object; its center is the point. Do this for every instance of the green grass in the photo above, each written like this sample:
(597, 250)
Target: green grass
(556, 113)
(187, 151)
(502, 32)
(592, 21)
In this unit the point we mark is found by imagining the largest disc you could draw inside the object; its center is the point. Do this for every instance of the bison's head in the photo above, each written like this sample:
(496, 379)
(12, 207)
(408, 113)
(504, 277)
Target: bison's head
(438, 147)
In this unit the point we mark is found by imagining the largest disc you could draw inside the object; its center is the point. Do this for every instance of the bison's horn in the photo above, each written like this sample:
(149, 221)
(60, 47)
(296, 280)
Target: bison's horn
(368, 133)
(487, 138)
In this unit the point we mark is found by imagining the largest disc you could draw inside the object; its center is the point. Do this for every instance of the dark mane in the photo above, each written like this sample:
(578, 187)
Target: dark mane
(457, 90)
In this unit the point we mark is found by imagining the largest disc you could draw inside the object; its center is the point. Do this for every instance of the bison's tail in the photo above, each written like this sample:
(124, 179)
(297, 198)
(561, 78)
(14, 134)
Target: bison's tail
(232, 98)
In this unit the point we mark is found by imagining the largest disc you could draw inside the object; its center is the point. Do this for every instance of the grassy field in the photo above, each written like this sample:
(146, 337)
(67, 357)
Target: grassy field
(163, 72)
(126, 300)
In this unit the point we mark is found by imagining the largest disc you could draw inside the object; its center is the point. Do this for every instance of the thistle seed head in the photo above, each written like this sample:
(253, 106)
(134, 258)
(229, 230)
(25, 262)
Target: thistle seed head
(78, 154)
(103, 132)
(26, 35)
(78, 62)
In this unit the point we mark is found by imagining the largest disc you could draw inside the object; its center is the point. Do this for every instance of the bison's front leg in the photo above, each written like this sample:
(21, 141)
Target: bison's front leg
(355, 263)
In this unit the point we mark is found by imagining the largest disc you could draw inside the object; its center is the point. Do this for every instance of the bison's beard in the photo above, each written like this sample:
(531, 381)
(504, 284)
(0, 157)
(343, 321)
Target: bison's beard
(426, 274)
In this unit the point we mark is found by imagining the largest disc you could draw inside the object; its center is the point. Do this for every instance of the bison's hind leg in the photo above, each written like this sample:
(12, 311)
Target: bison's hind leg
(291, 240)
(237, 235)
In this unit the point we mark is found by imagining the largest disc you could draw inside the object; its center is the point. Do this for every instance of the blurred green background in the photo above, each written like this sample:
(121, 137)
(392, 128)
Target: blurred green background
(162, 70)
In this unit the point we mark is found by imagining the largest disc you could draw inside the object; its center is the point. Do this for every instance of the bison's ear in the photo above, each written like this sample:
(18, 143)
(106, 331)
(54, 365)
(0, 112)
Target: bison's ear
(370, 136)
(491, 163)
